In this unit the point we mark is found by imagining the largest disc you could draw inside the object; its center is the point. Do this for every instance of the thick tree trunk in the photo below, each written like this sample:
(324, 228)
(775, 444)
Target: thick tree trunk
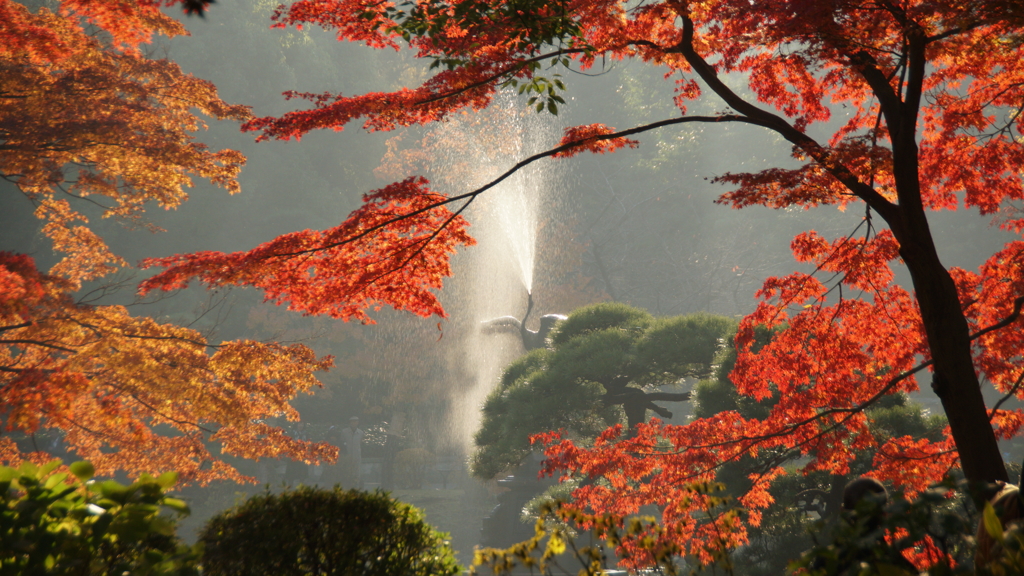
(954, 379)
(636, 413)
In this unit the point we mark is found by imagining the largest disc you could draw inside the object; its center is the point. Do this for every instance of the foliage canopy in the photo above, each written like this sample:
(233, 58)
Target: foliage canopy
(894, 107)
(897, 108)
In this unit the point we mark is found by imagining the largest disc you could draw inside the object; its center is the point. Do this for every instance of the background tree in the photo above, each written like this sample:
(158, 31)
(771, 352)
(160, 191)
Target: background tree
(92, 128)
(324, 531)
(608, 363)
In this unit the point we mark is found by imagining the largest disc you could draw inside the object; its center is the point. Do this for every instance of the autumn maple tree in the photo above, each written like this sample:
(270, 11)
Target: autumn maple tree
(92, 127)
(893, 107)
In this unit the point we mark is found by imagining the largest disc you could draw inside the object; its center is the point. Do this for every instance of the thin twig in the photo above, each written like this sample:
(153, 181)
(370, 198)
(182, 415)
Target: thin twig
(1010, 394)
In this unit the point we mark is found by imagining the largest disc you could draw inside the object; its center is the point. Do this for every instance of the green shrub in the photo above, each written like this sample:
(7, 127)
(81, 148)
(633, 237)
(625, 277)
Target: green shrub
(58, 523)
(313, 531)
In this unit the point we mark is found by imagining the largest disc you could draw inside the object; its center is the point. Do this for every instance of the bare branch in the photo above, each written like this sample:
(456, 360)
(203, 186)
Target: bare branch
(38, 343)
(15, 326)
(522, 164)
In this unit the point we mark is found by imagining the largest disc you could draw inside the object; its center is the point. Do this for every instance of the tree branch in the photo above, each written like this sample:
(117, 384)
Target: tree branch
(668, 396)
(15, 326)
(509, 70)
(1010, 394)
(519, 166)
(888, 100)
(659, 410)
(38, 343)
(1017, 305)
(100, 334)
(851, 411)
(780, 125)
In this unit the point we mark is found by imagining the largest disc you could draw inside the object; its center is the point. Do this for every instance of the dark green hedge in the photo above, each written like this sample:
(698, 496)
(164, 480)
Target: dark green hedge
(314, 531)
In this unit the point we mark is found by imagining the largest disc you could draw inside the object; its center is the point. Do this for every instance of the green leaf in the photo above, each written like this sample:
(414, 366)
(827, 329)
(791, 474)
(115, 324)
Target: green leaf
(177, 505)
(992, 524)
(28, 469)
(115, 491)
(7, 473)
(167, 479)
(48, 467)
(54, 480)
(83, 470)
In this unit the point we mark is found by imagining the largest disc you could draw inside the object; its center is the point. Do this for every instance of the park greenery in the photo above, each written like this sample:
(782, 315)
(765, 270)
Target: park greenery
(878, 537)
(566, 386)
(64, 523)
(60, 521)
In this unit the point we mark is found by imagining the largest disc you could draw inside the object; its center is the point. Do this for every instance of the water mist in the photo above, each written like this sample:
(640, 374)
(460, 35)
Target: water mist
(494, 278)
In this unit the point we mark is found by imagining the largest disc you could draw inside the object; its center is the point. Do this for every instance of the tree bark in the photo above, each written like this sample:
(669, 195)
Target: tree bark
(954, 379)
(635, 402)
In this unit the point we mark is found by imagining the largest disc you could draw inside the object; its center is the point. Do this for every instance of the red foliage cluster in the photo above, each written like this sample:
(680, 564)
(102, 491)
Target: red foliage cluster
(930, 95)
(114, 385)
(589, 138)
(394, 250)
